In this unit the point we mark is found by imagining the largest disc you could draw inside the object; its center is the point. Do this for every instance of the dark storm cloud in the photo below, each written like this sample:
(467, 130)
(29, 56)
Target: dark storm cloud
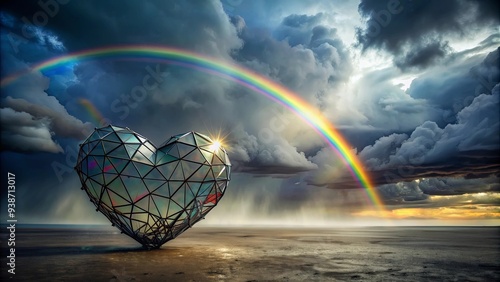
(423, 56)
(301, 53)
(277, 158)
(35, 119)
(413, 30)
(454, 87)
(468, 148)
(88, 24)
(61, 123)
(416, 193)
(296, 29)
(458, 137)
(22, 132)
(458, 186)
(402, 192)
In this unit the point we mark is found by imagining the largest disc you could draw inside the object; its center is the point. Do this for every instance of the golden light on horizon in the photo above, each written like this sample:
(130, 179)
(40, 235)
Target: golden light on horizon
(455, 207)
(470, 212)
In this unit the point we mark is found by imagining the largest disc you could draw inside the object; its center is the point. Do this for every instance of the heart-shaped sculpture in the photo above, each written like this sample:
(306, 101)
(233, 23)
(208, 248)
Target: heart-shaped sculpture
(151, 194)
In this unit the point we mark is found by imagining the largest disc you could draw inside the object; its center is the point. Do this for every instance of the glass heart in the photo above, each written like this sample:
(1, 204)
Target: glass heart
(151, 194)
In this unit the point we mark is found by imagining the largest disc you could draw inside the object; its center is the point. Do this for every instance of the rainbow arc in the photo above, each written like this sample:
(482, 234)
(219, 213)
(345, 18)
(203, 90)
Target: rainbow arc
(239, 74)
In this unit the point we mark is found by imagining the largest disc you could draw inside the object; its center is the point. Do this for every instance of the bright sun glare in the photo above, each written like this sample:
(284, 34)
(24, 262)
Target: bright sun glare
(215, 146)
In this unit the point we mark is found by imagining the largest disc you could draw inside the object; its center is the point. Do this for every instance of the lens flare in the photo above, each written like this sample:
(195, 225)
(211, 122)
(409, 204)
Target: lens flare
(215, 146)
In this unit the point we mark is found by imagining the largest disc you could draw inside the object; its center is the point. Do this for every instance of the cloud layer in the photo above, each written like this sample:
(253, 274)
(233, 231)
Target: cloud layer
(416, 31)
(418, 103)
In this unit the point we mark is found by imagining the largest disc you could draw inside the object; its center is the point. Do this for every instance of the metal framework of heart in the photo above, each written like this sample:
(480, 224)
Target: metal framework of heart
(152, 194)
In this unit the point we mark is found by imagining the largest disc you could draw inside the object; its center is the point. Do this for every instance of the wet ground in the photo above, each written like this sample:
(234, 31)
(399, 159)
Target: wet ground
(260, 254)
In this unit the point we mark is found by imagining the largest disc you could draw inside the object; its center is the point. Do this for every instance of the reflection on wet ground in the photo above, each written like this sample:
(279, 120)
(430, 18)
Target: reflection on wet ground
(257, 254)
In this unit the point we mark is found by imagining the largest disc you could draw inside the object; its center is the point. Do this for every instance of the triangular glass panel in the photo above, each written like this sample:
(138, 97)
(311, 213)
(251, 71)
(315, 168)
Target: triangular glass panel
(93, 168)
(108, 166)
(195, 156)
(166, 158)
(119, 188)
(179, 196)
(136, 188)
(173, 186)
(117, 200)
(218, 170)
(161, 189)
(104, 131)
(119, 152)
(189, 196)
(169, 141)
(99, 160)
(139, 224)
(130, 170)
(167, 169)
(94, 191)
(124, 209)
(174, 151)
(221, 186)
(202, 140)
(154, 174)
(142, 139)
(188, 139)
(178, 173)
(205, 189)
(195, 187)
(152, 184)
(85, 149)
(200, 174)
(99, 178)
(216, 160)
(118, 164)
(109, 146)
(166, 148)
(113, 138)
(93, 144)
(143, 169)
(105, 199)
(173, 210)
(161, 205)
(133, 140)
(184, 149)
(98, 151)
(189, 169)
(143, 204)
(124, 136)
(139, 157)
(97, 186)
(207, 154)
(221, 154)
(116, 128)
(132, 148)
(150, 147)
(95, 136)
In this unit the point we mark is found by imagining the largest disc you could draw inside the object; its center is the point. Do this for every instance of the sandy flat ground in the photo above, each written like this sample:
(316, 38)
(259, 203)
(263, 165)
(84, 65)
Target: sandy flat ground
(260, 254)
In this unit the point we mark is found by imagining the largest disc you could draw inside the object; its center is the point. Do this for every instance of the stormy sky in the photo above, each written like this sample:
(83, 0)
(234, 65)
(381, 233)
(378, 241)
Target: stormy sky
(413, 86)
